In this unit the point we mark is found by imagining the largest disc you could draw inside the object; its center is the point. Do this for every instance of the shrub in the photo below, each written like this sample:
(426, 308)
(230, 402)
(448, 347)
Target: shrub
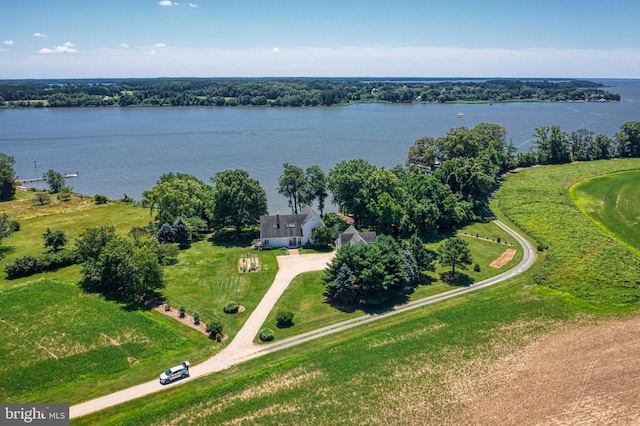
(214, 328)
(196, 318)
(100, 199)
(182, 311)
(284, 319)
(167, 307)
(24, 266)
(266, 335)
(540, 247)
(28, 265)
(498, 239)
(476, 267)
(231, 308)
(218, 337)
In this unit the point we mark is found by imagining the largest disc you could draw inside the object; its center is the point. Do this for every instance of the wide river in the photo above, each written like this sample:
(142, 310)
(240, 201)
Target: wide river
(125, 150)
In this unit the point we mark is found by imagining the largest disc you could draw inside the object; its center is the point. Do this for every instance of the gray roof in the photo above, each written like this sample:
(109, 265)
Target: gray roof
(286, 225)
(353, 237)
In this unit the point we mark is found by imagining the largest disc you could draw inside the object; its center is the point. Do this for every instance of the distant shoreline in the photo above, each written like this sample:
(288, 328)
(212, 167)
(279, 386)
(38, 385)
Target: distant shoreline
(290, 92)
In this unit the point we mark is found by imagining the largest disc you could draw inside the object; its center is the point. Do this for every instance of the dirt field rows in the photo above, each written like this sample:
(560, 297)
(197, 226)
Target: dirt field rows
(577, 375)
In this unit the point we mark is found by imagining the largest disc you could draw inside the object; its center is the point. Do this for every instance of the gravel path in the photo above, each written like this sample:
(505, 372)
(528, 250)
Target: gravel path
(242, 347)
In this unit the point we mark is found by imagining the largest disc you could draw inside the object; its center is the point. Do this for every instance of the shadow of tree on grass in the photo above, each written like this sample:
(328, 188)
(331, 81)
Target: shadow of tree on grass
(458, 279)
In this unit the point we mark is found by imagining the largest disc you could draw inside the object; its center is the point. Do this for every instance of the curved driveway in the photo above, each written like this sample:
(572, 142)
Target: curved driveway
(242, 347)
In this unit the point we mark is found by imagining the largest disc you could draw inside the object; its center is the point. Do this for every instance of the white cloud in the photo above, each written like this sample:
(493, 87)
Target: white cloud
(275, 50)
(158, 45)
(65, 48)
(39, 35)
(194, 5)
(165, 3)
(124, 45)
(8, 42)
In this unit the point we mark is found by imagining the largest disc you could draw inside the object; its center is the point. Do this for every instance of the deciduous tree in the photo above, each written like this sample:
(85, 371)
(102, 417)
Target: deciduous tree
(7, 177)
(54, 239)
(454, 252)
(237, 200)
(292, 184)
(348, 184)
(628, 139)
(54, 179)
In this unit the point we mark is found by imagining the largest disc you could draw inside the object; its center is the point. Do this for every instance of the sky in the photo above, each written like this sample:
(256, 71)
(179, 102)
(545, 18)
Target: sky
(328, 38)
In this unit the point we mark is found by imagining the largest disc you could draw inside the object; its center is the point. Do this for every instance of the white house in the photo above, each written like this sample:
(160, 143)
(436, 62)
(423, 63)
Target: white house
(292, 230)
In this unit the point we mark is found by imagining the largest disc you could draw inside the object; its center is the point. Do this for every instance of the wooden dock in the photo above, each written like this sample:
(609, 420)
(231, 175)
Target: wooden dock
(66, 176)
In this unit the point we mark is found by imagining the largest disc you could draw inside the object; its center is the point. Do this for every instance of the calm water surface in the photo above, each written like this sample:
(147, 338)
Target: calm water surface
(125, 150)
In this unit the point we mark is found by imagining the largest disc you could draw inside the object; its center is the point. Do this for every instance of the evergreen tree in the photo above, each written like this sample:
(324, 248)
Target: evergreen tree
(166, 234)
(182, 234)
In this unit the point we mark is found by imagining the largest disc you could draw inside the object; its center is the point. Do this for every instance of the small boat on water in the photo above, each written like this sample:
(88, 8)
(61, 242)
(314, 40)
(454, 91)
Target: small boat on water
(460, 115)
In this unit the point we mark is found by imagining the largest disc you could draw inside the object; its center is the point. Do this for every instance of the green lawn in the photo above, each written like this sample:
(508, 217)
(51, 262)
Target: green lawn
(416, 365)
(206, 277)
(613, 203)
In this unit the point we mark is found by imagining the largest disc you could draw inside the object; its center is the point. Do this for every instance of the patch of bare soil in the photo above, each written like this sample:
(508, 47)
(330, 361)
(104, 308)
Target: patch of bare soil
(503, 259)
(186, 319)
(579, 375)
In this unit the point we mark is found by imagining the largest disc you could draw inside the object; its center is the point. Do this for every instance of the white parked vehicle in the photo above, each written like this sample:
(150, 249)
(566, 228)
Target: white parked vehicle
(178, 372)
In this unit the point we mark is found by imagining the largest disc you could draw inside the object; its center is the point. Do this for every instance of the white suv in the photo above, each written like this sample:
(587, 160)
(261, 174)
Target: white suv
(178, 372)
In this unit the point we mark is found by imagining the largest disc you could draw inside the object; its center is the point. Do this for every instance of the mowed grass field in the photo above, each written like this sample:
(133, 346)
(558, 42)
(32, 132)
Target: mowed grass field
(613, 202)
(427, 366)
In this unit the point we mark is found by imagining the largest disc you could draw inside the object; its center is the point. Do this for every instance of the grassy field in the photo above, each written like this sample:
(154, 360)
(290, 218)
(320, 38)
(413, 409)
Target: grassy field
(60, 344)
(73, 217)
(613, 203)
(582, 263)
(304, 297)
(418, 367)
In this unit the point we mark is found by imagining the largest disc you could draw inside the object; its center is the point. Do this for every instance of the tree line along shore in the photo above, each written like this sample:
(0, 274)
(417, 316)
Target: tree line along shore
(288, 92)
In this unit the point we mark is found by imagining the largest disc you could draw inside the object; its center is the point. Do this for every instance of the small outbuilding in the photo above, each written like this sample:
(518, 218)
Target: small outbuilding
(353, 237)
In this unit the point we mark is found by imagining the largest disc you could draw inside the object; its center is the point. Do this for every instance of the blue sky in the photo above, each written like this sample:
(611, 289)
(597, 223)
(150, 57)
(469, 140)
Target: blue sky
(253, 38)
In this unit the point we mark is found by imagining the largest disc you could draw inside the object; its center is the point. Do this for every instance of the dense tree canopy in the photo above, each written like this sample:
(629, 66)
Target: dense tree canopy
(348, 184)
(237, 200)
(551, 145)
(286, 92)
(369, 274)
(628, 139)
(124, 268)
(178, 195)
